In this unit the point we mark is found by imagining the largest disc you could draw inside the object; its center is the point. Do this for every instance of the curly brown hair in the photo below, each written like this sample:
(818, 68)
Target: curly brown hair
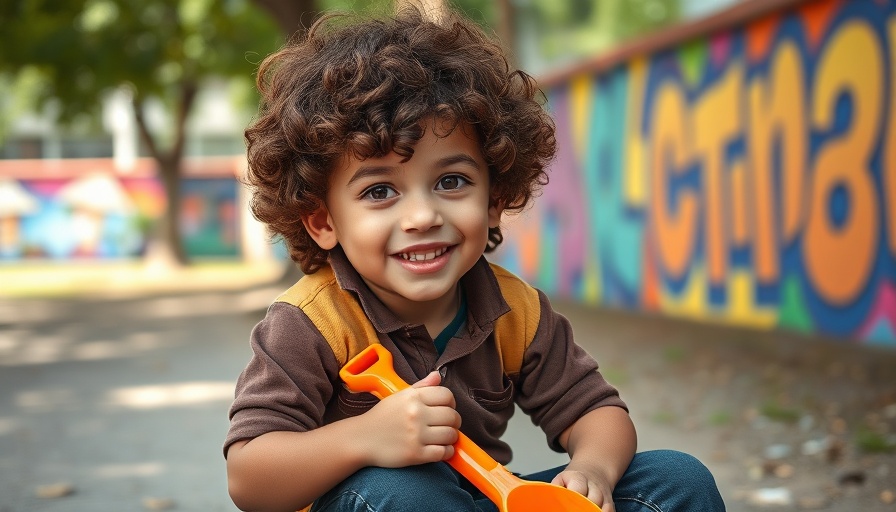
(365, 87)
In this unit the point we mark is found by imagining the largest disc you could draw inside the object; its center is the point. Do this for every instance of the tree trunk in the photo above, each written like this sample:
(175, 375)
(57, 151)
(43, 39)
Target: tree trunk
(507, 29)
(166, 243)
(169, 227)
(293, 16)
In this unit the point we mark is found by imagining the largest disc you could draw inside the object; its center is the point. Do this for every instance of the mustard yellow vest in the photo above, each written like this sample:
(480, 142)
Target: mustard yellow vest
(339, 317)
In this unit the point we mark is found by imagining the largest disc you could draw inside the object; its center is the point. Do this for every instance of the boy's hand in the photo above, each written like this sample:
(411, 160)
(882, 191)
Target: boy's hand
(593, 487)
(414, 426)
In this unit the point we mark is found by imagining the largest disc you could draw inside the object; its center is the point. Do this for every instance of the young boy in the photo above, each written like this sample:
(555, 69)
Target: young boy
(385, 153)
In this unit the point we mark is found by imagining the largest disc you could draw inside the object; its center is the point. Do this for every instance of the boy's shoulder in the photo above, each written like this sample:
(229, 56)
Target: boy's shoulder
(307, 289)
(334, 312)
(519, 295)
(508, 278)
(515, 331)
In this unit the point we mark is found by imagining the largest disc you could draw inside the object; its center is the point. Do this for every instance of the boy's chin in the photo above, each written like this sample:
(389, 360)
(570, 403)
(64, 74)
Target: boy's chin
(423, 297)
(427, 293)
(419, 292)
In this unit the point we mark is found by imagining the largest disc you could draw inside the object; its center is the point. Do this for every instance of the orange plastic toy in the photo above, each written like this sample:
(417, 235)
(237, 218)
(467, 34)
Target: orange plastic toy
(372, 371)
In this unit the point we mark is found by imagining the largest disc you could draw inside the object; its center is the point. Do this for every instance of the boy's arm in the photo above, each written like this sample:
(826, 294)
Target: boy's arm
(288, 470)
(601, 445)
(274, 471)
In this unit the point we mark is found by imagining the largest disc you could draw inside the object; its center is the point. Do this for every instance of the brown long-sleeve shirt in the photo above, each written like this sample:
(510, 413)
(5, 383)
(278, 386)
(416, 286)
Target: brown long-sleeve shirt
(292, 381)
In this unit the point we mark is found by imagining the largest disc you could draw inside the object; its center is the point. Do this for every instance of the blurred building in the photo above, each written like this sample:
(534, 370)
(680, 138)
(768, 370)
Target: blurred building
(215, 129)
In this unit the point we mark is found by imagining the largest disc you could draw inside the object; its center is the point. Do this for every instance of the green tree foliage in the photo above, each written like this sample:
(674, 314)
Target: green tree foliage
(86, 47)
(548, 33)
(162, 50)
(572, 30)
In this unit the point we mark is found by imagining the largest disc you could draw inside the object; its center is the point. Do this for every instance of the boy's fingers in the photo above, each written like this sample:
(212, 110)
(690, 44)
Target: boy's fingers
(449, 452)
(572, 481)
(433, 379)
(578, 482)
(579, 485)
(442, 436)
(437, 396)
(437, 452)
(443, 416)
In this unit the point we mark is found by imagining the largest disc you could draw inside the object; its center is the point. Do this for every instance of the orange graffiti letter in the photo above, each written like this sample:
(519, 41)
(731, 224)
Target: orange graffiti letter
(889, 170)
(669, 146)
(717, 120)
(777, 113)
(839, 259)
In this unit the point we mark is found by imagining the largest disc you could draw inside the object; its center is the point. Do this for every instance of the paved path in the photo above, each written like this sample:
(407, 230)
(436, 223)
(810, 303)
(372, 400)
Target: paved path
(125, 401)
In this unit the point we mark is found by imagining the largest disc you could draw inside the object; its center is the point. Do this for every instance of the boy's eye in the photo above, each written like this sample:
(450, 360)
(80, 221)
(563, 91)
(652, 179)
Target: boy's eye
(379, 193)
(451, 182)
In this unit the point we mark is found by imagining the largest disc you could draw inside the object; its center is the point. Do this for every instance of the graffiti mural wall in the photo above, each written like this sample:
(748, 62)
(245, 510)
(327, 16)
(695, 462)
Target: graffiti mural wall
(746, 176)
(86, 209)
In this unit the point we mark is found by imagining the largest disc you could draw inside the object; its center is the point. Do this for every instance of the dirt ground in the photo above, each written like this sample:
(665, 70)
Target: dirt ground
(784, 421)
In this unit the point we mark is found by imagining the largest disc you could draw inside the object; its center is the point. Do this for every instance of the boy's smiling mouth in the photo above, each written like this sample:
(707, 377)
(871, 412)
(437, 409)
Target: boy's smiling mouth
(424, 258)
(423, 255)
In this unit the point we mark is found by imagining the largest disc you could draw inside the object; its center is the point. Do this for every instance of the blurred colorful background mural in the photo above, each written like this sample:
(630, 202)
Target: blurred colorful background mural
(88, 209)
(746, 176)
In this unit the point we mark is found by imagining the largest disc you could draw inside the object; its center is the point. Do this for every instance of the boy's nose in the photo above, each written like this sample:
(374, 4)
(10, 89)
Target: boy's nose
(420, 214)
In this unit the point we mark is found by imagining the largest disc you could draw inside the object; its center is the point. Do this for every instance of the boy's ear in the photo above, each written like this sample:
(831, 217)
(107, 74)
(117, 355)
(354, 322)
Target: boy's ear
(495, 209)
(320, 227)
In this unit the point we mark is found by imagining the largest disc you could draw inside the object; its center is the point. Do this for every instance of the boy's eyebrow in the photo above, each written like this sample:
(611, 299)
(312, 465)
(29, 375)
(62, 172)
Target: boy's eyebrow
(460, 158)
(379, 170)
(372, 170)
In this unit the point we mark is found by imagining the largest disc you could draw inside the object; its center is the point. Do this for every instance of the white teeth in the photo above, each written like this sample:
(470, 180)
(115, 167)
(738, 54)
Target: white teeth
(414, 256)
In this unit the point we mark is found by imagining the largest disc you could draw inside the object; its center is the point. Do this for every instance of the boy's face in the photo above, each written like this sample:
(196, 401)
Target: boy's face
(411, 229)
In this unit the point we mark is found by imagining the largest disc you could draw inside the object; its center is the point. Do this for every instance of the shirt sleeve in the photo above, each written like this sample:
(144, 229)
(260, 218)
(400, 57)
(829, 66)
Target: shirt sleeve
(288, 381)
(559, 381)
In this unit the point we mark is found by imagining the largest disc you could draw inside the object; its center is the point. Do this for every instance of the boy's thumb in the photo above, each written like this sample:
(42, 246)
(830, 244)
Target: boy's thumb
(433, 379)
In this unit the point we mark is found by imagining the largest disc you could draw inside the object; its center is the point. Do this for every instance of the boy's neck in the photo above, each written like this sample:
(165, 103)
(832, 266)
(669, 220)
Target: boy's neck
(441, 319)
(435, 315)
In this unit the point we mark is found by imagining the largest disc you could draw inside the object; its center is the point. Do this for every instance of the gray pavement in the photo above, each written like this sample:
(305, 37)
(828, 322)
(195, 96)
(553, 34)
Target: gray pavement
(123, 402)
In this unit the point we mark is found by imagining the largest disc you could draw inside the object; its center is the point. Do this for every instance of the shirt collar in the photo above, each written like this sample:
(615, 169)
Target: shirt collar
(484, 300)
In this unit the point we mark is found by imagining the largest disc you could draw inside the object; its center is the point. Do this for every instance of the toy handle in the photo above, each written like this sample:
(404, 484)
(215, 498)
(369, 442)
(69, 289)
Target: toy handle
(372, 371)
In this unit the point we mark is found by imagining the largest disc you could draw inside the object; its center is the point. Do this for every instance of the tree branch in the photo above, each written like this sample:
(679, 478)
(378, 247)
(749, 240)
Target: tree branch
(147, 137)
(187, 97)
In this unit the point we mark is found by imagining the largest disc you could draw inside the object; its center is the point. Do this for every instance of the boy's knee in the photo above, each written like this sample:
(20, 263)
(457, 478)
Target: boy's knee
(681, 468)
(421, 474)
(398, 489)
(401, 483)
(672, 479)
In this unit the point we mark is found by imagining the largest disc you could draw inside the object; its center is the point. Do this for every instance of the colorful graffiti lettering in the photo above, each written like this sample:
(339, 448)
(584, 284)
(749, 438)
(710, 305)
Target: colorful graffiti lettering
(747, 177)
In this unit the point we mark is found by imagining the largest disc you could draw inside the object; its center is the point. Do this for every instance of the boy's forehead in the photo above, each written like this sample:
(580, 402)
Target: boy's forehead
(440, 128)
(459, 137)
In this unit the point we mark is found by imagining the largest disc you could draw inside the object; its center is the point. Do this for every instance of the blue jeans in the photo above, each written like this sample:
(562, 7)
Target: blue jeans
(655, 481)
